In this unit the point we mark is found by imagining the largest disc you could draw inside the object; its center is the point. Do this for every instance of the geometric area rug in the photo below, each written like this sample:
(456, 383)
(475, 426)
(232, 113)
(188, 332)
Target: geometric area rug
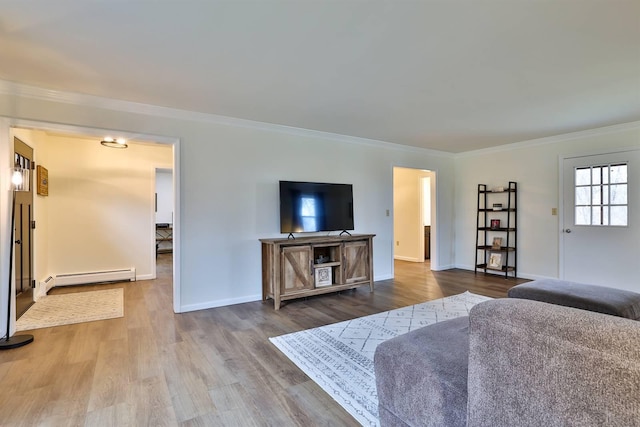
(65, 309)
(339, 357)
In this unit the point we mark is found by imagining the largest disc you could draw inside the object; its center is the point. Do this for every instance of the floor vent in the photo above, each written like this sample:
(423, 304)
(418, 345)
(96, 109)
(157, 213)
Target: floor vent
(96, 277)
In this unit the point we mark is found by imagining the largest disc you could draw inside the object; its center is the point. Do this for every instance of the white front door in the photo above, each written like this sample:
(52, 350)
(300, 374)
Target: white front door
(600, 239)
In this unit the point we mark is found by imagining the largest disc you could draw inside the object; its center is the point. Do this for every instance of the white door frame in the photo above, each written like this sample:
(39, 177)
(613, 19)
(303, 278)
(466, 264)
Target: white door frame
(6, 123)
(433, 249)
(561, 207)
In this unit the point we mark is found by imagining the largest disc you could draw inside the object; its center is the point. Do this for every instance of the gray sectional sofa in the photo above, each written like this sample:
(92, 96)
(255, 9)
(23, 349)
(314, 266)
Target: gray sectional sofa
(513, 362)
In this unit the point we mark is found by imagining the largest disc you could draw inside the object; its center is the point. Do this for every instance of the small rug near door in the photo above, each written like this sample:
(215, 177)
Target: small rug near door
(339, 357)
(65, 309)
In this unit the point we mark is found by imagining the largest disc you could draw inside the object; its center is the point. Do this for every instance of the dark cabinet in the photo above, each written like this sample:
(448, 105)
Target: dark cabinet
(427, 242)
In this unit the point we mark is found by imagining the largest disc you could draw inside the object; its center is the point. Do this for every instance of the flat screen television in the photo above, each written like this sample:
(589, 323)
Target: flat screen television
(315, 206)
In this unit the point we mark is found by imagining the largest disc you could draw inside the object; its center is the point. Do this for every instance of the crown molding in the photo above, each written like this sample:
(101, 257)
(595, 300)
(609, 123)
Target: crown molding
(34, 92)
(553, 139)
(38, 93)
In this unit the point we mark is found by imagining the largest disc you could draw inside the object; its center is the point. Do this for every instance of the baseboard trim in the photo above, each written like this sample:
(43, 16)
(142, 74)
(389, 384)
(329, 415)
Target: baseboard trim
(525, 275)
(406, 258)
(219, 303)
(441, 267)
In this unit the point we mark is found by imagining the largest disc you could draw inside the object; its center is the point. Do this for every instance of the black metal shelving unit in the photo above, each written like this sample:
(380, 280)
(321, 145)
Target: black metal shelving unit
(492, 258)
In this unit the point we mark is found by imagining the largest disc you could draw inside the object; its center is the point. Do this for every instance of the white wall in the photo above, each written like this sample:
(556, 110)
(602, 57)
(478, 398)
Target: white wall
(229, 173)
(535, 167)
(426, 200)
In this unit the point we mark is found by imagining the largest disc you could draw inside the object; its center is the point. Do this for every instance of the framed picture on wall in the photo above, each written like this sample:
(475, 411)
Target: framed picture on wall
(42, 187)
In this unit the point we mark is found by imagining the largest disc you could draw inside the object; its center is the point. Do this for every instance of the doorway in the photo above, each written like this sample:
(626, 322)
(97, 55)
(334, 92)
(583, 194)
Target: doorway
(600, 229)
(414, 217)
(9, 126)
(163, 211)
(23, 236)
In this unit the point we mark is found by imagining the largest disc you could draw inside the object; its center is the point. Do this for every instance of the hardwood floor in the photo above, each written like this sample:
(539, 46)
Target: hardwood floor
(212, 367)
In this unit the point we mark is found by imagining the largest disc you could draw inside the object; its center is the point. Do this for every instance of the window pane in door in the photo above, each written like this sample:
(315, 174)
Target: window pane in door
(582, 196)
(596, 197)
(619, 194)
(596, 173)
(583, 176)
(583, 216)
(619, 215)
(596, 216)
(618, 174)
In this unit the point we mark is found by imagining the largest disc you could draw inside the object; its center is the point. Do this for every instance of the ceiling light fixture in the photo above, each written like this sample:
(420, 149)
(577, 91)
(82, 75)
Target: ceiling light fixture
(114, 142)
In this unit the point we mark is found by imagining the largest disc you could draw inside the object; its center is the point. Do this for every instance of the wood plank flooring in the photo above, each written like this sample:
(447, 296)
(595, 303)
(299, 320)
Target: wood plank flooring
(206, 368)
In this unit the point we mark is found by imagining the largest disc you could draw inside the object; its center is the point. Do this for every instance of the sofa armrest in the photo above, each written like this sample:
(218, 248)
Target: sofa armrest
(538, 364)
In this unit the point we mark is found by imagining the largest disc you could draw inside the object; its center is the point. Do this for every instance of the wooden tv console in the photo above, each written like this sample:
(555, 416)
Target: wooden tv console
(306, 266)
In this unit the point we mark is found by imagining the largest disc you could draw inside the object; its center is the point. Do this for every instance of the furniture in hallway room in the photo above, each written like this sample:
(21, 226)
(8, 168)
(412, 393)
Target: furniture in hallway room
(427, 241)
(164, 238)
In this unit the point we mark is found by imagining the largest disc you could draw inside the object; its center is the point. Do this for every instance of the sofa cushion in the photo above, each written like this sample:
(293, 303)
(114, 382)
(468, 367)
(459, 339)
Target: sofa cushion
(537, 364)
(615, 302)
(421, 376)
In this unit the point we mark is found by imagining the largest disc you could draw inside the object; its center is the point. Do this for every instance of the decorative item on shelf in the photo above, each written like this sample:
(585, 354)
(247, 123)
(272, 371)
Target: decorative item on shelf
(323, 276)
(19, 182)
(322, 259)
(497, 189)
(495, 261)
(495, 224)
(497, 243)
(497, 206)
(43, 181)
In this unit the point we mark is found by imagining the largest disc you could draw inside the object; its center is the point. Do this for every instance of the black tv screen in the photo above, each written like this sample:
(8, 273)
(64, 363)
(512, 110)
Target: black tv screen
(314, 206)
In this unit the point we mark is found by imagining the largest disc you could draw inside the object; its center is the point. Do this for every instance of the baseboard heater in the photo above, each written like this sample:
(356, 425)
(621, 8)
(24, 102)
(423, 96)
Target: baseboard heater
(46, 285)
(128, 274)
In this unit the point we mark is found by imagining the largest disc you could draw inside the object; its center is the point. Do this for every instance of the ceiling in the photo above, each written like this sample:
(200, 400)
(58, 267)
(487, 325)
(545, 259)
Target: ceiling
(450, 75)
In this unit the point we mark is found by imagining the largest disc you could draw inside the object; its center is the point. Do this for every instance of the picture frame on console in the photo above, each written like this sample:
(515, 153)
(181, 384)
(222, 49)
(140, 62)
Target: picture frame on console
(323, 276)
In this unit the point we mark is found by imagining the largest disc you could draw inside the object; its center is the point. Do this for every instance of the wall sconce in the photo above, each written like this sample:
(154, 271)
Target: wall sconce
(114, 142)
(20, 179)
(19, 182)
